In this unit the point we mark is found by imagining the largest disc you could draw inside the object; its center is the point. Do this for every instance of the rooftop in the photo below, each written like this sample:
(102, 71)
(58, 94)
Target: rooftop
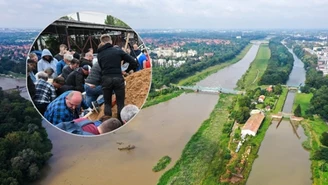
(254, 122)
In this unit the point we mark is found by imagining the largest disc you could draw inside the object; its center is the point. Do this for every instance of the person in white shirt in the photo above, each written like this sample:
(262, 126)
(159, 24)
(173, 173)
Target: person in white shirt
(47, 60)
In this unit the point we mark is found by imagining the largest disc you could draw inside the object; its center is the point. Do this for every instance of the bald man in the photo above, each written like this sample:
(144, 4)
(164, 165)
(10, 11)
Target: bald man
(64, 108)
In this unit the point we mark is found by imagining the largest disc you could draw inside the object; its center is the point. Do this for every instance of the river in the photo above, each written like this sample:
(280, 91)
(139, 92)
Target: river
(159, 130)
(228, 76)
(156, 131)
(282, 159)
(164, 129)
(10, 83)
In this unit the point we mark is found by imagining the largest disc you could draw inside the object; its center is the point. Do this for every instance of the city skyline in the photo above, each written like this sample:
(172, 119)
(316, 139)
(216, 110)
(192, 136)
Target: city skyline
(180, 14)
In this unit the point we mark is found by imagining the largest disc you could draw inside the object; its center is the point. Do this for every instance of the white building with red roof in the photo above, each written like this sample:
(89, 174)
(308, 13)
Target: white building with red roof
(253, 124)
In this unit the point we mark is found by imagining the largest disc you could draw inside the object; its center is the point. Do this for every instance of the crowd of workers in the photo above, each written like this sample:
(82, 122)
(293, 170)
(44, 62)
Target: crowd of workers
(66, 86)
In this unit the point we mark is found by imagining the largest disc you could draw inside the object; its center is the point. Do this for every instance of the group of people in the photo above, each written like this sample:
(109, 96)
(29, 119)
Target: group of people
(65, 85)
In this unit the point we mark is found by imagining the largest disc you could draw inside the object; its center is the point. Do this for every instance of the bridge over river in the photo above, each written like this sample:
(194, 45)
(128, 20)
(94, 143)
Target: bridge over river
(211, 89)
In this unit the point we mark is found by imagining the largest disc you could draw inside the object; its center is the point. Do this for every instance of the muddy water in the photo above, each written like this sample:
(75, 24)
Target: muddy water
(229, 76)
(157, 131)
(10, 83)
(282, 159)
(160, 130)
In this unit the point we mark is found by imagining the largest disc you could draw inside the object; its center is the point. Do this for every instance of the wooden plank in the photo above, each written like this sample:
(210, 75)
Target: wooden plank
(127, 41)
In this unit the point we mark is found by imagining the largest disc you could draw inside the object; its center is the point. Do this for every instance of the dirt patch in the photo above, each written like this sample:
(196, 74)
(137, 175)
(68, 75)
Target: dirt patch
(136, 92)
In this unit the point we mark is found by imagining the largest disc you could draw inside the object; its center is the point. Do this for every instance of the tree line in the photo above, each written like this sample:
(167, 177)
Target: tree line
(315, 83)
(280, 64)
(222, 53)
(24, 143)
(7, 65)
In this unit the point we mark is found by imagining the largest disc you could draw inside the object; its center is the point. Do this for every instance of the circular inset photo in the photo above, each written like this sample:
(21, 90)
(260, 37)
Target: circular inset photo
(88, 73)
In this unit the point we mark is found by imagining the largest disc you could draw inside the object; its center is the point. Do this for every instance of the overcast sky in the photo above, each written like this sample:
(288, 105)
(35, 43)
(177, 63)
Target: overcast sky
(184, 14)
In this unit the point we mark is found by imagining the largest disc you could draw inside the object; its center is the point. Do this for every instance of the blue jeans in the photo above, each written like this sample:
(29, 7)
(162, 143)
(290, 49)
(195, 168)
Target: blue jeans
(91, 94)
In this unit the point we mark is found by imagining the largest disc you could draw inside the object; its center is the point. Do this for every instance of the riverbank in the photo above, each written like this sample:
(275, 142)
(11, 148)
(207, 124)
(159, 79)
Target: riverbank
(192, 80)
(313, 130)
(162, 98)
(14, 75)
(205, 153)
(252, 76)
(156, 99)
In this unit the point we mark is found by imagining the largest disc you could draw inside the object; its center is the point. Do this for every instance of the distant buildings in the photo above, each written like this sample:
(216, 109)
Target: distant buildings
(169, 52)
(322, 54)
(253, 124)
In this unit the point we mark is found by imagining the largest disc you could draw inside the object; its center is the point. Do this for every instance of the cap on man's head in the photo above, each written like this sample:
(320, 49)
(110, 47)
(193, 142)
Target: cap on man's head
(86, 67)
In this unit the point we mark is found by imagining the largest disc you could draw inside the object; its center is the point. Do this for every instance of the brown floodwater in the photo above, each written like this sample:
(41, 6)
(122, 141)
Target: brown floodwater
(228, 76)
(10, 83)
(160, 130)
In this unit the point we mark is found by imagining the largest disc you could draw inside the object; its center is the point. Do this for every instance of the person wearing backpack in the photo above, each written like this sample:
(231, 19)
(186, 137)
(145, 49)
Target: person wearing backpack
(84, 126)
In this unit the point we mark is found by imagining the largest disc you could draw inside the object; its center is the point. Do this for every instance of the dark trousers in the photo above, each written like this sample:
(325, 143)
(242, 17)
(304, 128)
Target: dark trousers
(116, 84)
(42, 107)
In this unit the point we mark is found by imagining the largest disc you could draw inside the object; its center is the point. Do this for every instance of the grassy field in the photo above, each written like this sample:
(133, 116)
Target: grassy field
(313, 129)
(250, 79)
(304, 101)
(281, 101)
(204, 156)
(205, 73)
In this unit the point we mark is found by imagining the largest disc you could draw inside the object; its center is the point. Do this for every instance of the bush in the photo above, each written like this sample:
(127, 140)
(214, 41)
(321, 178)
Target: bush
(227, 156)
(162, 163)
(306, 145)
(324, 139)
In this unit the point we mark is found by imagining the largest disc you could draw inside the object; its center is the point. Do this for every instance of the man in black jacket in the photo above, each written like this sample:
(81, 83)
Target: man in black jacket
(109, 59)
(86, 60)
(76, 79)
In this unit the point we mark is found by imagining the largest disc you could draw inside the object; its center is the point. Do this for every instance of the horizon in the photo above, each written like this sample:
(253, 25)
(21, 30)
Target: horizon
(180, 14)
(200, 29)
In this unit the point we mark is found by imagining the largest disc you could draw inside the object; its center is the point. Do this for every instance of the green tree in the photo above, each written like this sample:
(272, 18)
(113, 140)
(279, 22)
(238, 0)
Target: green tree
(121, 23)
(319, 103)
(110, 20)
(67, 17)
(277, 89)
(242, 115)
(298, 111)
(244, 101)
(324, 139)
